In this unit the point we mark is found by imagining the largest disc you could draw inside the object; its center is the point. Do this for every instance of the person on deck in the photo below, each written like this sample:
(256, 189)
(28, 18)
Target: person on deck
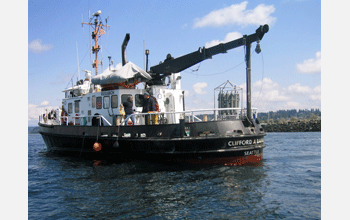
(149, 105)
(128, 110)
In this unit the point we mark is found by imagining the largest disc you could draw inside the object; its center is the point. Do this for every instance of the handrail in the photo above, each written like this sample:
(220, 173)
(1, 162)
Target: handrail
(239, 113)
(216, 110)
(105, 120)
(189, 111)
(85, 116)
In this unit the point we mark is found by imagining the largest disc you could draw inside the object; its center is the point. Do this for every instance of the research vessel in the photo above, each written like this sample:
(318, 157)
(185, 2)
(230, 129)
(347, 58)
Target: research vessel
(92, 119)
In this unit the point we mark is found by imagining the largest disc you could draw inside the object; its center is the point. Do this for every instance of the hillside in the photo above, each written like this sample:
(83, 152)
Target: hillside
(291, 120)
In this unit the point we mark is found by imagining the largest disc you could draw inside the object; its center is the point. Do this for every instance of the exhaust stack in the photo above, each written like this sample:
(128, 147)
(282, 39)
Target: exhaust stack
(125, 43)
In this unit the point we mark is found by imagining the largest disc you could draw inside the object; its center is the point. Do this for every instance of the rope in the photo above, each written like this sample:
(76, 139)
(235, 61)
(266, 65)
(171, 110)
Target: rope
(71, 79)
(98, 128)
(82, 146)
(212, 74)
(262, 77)
(118, 135)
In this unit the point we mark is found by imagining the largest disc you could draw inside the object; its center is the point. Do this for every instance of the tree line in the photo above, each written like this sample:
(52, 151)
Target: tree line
(289, 115)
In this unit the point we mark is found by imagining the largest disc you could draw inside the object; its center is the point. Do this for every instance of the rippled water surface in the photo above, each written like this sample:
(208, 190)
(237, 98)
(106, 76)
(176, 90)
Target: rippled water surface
(287, 184)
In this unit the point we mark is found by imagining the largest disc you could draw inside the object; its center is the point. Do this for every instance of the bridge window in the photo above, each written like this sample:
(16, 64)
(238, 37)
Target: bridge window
(93, 101)
(89, 113)
(105, 101)
(98, 102)
(76, 106)
(114, 101)
(70, 108)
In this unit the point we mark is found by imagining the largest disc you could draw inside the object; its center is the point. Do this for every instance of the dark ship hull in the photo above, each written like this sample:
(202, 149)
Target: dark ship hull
(219, 142)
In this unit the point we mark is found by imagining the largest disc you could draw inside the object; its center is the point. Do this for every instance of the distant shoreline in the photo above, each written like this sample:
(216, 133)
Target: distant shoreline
(308, 126)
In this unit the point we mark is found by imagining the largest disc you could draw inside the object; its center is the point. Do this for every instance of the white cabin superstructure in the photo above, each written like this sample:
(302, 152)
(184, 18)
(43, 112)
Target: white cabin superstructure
(85, 101)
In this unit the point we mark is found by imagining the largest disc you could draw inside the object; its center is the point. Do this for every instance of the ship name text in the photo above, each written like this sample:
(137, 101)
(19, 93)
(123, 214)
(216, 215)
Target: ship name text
(245, 142)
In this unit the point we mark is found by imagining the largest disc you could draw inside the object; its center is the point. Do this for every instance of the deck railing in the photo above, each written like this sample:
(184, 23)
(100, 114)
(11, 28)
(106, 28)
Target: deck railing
(154, 118)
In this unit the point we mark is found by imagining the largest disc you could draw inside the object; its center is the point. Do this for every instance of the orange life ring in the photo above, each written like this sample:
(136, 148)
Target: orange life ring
(64, 117)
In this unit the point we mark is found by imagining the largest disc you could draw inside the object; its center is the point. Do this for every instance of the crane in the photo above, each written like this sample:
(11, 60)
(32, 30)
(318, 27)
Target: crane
(175, 65)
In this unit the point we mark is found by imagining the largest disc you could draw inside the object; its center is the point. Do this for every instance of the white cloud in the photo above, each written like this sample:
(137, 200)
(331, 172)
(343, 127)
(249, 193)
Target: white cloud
(317, 89)
(310, 66)
(268, 95)
(36, 46)
(266, 82)
(229, 37)
(275, 95)
(237, 14)
(316, 94)
(298, 88)
(292, 105)
(187, 93)
(33, 112)
(267, 91)
(44, 103)
(199, 88)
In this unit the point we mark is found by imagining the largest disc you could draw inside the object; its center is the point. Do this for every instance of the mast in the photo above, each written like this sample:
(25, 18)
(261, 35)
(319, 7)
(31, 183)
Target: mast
(97, 33)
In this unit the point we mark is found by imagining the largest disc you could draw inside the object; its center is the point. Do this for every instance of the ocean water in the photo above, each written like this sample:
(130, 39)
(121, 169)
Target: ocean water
(286, 185)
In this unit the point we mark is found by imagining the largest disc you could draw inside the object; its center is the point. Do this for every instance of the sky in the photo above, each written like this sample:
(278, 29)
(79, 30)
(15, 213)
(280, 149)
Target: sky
(285, 75)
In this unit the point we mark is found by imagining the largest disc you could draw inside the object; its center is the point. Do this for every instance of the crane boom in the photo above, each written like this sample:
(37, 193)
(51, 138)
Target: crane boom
(171, 65)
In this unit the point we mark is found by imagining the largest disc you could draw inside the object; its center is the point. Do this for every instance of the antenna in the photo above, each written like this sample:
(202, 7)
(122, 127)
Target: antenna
(78, 61)
(89, 38)
(97, 33)
(101, 59)
(109, 63)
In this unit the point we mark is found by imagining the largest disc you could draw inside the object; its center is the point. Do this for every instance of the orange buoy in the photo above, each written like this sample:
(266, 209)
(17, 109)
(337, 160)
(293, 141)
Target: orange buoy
(97, 147)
